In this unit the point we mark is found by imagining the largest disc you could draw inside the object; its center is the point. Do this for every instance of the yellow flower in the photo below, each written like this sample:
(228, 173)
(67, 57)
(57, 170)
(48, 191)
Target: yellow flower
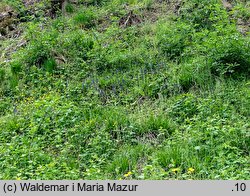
(190, 170)
(175, 170)
(18, 178)
(128, 174)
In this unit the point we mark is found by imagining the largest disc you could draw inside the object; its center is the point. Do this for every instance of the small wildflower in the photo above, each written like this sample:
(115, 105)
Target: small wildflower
(128, 174)
(18, 178)
(190, 170)
(175, 170)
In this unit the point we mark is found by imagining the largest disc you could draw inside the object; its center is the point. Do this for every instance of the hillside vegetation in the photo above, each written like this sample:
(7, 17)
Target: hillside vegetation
(125, 89)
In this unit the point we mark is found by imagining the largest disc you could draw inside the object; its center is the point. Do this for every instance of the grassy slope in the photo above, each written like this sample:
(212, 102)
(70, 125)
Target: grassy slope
(167, 97)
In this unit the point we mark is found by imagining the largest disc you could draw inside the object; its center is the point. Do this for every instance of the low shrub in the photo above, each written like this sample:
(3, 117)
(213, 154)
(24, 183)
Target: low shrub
(173, 39)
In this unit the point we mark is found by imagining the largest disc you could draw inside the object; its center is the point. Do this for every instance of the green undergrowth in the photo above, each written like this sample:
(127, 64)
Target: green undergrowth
(111, 90)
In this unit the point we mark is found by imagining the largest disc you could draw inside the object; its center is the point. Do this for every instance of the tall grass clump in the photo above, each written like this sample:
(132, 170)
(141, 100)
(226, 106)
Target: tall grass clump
(85, 18)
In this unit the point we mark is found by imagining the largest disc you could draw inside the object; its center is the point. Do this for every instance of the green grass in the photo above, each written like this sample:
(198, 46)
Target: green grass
(167, 98)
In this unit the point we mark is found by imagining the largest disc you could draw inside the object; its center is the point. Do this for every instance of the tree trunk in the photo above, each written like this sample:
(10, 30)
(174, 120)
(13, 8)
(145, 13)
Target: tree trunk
(64, 3)
(58, 5)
